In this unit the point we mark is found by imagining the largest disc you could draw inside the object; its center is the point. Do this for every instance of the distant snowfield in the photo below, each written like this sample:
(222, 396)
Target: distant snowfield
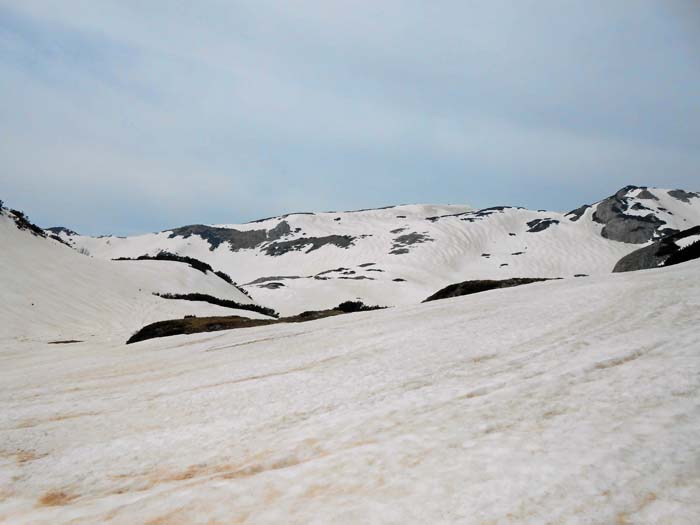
(573, 401)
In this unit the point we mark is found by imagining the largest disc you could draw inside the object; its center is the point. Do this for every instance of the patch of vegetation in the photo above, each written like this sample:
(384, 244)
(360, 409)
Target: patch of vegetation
(23, 223)
(687, 253)
(192, 325)
(470, 287)
(226, 303)
(226, 277)
(357, 306)
(194, 263)
(57, 238)
(167, 256)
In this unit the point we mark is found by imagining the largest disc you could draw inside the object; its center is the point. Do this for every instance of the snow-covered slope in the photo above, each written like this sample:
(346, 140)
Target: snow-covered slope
(402, 254)
(573, 401)
(51, 292)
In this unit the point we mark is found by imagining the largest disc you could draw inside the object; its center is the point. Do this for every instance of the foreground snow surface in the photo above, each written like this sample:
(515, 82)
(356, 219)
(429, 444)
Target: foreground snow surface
(574, 401)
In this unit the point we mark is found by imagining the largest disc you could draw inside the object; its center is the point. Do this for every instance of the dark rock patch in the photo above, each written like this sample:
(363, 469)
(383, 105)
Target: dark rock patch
(472, 216)
(512, 234)
(334, 270)
(400, 216)
(365, 265)
(312, 243)
(271, 286)
(580, 275)
(398, 230)
(503, 264)
(576, 214)
(357, 278)
(399, 280)
(401, 243)
(539, 225)
(471, 287)
(65, 342)
(683, 195)
(517, 253)
(272, 278)
(374, 270)
(281, 216)
(646, 194)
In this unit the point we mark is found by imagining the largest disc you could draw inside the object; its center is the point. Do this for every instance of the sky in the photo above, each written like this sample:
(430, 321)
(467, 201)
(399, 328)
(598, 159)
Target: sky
(125, 117)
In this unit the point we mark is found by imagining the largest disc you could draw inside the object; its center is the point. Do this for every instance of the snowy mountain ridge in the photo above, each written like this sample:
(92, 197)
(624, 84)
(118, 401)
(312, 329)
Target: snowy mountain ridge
(402, 254)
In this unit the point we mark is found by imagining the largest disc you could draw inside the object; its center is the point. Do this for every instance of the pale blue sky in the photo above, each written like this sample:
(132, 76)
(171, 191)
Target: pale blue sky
(124, 117)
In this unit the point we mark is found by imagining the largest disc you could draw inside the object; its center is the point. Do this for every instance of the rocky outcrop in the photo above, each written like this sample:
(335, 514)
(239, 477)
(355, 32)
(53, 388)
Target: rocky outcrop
(623, 227)
(237, 239)
(539, 225)
(576, 214)
(654, 255)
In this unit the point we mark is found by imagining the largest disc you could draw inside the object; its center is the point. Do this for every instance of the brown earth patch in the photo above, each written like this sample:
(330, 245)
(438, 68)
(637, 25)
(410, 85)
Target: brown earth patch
(56, 498)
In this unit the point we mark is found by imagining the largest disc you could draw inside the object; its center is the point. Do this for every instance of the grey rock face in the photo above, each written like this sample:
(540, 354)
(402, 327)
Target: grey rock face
(313, 243)
(641, 259)
(618, 226)
(646, 194)
(238, 240)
